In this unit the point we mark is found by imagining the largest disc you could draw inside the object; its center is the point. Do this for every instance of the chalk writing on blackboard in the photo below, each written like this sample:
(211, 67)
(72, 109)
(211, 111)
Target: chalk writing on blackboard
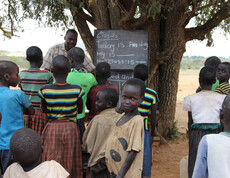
(120, 48)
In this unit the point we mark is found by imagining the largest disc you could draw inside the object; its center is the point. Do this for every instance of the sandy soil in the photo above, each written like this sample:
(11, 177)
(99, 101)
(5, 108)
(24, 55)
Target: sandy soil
(166, 159)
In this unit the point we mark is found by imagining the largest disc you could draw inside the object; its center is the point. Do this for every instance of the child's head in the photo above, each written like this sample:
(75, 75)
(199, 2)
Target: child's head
(9, 73)
(26, 147)
(141, 72)
(103, 70)
(76, 55)
(223, 72)
(132, 94)
(207, 76)
(213, 62)
(106, 98)
(225, 114)
(34, 55)
(60, 66)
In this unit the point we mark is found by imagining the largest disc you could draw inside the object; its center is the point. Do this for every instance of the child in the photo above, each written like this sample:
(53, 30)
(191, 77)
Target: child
(31, 81)
(62, 101)
(26, 148)
(213, 157)
(98, 132)
(124, 149)
(203, 113)
(223, 74)
(213, 62)
(149, 103)
(12, 104)
(78, 76)
(102, 74)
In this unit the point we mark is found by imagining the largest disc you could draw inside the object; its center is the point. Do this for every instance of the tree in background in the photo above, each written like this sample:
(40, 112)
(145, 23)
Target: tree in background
(165, 20)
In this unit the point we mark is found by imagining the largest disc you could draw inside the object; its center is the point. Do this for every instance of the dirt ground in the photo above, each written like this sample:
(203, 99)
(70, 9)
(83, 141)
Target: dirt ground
(166, 159)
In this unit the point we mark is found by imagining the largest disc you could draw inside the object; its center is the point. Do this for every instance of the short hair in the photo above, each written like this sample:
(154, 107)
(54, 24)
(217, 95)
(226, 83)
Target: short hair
(141, 72)
(6, 67)
(227, 64)
(212, 61)
(71, 31)
(103, 70)
(61, 63)
(25, 146)
(207, 76)
(77, 54)
(110, 94)
(136, 82)
(34, 54)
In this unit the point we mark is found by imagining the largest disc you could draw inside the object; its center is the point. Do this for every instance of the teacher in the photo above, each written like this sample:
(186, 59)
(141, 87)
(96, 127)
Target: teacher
(62, 49)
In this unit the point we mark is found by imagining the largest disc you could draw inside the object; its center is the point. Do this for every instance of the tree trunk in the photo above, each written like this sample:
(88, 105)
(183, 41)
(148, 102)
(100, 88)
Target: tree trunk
(167, 87)
(171, 37)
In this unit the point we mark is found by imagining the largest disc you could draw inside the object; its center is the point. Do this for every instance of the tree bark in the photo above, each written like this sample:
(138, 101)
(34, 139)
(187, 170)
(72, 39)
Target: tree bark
(171, 35)
(168, 86)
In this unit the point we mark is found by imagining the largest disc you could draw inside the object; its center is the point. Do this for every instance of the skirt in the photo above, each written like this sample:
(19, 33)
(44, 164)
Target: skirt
(61, 142)
(194, 139)
(37, 122)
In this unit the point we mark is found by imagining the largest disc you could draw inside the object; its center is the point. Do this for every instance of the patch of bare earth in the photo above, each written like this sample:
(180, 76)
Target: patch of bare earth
(166, 159)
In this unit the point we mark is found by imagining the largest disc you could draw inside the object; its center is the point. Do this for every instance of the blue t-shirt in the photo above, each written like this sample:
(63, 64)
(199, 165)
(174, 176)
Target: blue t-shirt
(12, 103)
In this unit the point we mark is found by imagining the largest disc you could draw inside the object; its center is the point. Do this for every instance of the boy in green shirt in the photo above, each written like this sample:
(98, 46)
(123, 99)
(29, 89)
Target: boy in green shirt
(80, 77)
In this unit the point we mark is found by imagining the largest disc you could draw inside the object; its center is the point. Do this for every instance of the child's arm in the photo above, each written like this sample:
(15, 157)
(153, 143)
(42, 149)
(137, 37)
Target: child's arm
(153, 120)
(201, 164)
(25, 102)
(43, 106)
(29, 111)
(80, 105)
(88, 104)
(190, 121)
(128, 162)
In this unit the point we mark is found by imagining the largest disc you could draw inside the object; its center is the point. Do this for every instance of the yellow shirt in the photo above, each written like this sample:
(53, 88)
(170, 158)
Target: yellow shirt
(97, 133)
(123, 139)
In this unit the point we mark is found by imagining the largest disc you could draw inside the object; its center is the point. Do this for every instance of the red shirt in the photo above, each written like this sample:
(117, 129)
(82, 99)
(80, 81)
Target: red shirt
(91, 98)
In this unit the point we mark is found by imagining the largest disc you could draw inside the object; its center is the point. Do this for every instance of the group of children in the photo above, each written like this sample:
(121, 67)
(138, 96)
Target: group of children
(52, 103)
(204, 110)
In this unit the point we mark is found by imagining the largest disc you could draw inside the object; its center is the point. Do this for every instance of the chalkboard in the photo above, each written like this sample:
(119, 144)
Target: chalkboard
(122, 49)
(118, 78)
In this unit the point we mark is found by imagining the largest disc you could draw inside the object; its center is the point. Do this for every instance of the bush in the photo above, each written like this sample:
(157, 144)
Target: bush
(173, 131)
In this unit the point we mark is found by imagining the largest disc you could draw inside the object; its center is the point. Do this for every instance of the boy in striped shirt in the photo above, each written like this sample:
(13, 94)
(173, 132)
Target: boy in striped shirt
(148, 104)
(31, 80)
(223, 74)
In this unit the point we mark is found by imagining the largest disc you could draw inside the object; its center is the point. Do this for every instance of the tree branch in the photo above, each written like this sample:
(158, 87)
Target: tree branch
(138, 22)
(200, 31)
(129, 15)
(161, 2)
(193, 13)
(6, 33)
(86, 17)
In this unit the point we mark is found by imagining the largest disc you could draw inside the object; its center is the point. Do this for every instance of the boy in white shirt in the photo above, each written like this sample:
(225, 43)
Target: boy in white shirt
(26, 149)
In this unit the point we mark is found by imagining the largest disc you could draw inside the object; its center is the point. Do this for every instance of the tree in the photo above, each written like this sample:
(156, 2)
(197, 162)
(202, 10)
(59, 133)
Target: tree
(165, 20)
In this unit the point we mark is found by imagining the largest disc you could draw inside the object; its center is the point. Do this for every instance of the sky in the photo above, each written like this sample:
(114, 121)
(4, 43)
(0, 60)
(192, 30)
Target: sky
(48, 37)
